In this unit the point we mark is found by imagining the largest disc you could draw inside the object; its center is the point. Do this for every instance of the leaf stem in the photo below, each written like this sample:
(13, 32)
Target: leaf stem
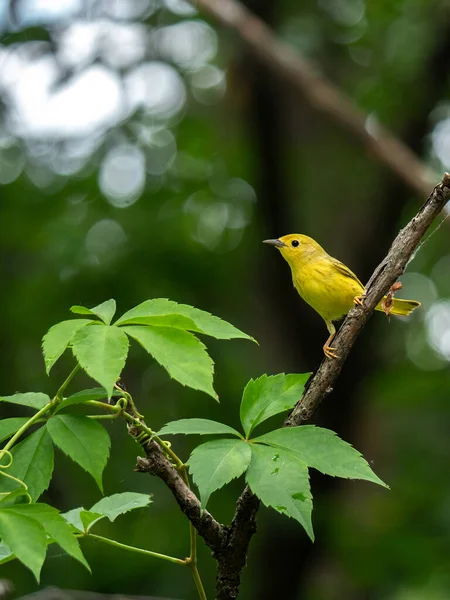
(26, 426)
(179, 464)
(111, 407)
(198, 581)
(130, 400)
(101, 417)
(141, 425)
(172, 559)
(60, 392)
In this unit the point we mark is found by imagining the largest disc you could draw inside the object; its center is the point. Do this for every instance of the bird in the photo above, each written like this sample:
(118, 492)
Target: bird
(328, 285)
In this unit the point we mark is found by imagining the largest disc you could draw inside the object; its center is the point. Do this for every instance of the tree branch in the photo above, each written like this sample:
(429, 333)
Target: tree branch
(233, 557)
(384, 276)
(319, 92)
(156, 463)
(321, 383)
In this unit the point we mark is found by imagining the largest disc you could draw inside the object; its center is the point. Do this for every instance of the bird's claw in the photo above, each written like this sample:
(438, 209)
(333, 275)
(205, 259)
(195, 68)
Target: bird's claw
(329, 352)
(359, 300)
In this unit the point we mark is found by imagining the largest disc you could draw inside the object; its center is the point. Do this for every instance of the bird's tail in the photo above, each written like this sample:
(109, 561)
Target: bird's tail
(400, 307)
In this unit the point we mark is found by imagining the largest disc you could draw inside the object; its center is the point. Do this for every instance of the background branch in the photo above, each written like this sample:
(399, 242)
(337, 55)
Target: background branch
(319, 92)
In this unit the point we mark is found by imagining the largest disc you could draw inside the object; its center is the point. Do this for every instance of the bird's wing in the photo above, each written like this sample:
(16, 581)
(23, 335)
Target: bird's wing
(345, 271)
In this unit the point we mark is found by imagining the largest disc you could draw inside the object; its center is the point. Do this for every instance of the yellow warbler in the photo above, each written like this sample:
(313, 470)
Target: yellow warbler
(328, 285)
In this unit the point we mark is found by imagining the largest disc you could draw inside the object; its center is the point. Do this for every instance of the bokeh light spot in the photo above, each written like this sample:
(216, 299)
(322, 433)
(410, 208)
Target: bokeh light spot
(156, 87)
(104, 241)
(208, 84)
(438, 327)
(122, 175)
(12, 162)
(190, 44)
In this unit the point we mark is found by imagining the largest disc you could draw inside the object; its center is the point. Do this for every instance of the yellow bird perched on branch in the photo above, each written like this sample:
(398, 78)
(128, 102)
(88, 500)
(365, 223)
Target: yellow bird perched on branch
(328, 285)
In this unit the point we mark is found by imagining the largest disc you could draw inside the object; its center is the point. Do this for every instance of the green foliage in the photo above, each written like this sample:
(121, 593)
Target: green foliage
(216, 463)
(101, 350)
(104, 311)
(81, 519)
(8, 498)
(84, 396)
(281, 480)
(5, 554)
(276, 464)
(199, 426)
(10, 426)
(181, 316)
(56, 527)
(323, 450)
(181, 353)
(109, 507)
(85, 441)
(32, 463)
(26, 530)
(25, 537)
(161, 326)
(35, 400)
(58, 337)
(269, 395)
(119, 504)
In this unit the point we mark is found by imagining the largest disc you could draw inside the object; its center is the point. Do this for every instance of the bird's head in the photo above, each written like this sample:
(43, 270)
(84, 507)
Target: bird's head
(296, 247)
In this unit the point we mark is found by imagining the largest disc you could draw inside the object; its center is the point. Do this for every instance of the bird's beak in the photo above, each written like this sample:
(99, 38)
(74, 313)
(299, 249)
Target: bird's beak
(276, 243)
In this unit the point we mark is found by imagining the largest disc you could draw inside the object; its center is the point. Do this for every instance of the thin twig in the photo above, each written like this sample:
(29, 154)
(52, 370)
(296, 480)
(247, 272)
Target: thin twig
(323, 95)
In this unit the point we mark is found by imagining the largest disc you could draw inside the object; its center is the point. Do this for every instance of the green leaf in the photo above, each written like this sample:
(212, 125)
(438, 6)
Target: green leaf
(196, 426)
(177, 321)
(35, 400)
(280, 479)
(57, 338)
(101, 351)
(104, 311)
(25, 537)
(110, 507)
(323, 450)
(9, 499)
(5, 554)
(118, 504)
(216, 463)
(84, 440)
(84, 396)
(180, 353)
(203, 322)
(81, 519)
(55, 526)
(9, 426)
(32, 464)
(268, 396)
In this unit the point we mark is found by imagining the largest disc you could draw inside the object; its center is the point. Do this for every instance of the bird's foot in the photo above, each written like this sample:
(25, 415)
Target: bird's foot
(329, 352)
(359, 300)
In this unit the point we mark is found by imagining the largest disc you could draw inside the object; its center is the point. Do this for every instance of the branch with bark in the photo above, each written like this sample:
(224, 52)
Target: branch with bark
(229, 544)
(323, 95)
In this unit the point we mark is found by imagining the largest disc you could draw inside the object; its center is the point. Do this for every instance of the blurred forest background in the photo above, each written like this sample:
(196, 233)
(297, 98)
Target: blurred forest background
(145, 152)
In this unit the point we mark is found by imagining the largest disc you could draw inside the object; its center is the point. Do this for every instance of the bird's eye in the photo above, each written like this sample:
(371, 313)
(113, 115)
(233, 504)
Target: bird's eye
(295, 243)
